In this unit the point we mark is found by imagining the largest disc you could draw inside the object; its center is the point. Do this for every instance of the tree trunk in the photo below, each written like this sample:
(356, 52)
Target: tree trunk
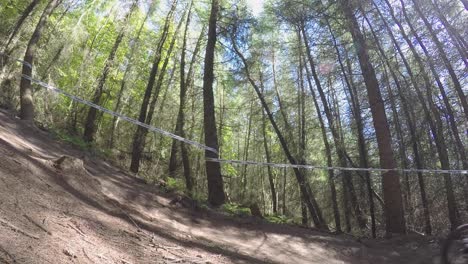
(449, 110)
(138, 138)
(128, 70)
(90, 123)
(356, 111)
(26, 93)
(270, 173)
(394, 216)
(306, 191)
(434, 119)
(457, 40)
(246, 154)
(444, 57)
(216, 196)
(4, 59)
(331, 176)
(339, 147)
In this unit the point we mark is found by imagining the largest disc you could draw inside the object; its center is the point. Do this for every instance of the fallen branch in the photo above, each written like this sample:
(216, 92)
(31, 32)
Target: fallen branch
(86, 255)
(76, 229)
(16, 229)
(37, 224)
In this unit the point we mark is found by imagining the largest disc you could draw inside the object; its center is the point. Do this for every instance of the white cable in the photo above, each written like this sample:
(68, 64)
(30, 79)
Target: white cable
(201, 146)
(312, 167)
(131, 120)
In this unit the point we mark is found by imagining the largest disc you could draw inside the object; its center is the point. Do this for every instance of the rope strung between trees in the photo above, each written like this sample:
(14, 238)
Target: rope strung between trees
(313, 167)
(201, 146)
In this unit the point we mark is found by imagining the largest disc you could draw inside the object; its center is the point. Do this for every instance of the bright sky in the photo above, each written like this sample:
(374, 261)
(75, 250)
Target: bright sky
(256, 6)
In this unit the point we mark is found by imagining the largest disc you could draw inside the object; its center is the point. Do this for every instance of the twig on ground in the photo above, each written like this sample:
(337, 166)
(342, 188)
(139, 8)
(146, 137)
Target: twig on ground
(37, 224)
(86, 255)
(76, 229)
(16, 229)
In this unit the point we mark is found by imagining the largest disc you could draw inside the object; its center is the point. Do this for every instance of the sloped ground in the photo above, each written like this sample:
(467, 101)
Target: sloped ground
(70, 211)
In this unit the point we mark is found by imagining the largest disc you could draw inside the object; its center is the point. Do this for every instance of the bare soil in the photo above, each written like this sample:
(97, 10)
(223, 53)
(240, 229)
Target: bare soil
(58, 205)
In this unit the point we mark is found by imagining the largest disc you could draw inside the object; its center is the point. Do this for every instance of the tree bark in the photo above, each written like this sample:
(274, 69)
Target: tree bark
(418, 158)
(26, 93)
(457, 40)
(328, 154)
(216, 195)
(394, 216)
(128, 70)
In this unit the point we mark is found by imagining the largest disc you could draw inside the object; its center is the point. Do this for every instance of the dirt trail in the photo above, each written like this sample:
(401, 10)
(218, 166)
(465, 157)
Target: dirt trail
(92, 212)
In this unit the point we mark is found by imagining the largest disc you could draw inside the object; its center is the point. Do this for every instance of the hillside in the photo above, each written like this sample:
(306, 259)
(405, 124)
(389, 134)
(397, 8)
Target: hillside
(80, 209)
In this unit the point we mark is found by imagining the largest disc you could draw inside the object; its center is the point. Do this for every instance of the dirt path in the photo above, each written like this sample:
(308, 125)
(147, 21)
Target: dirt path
(96, 213)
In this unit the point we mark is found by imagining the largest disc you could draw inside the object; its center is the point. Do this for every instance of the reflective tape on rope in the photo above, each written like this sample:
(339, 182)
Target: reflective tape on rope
(201, 146)
(313, 167)
(126, 118)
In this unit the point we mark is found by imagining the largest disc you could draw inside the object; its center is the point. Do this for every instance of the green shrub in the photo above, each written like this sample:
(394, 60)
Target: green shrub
(236, 210)
(278, 219)
(175, 185)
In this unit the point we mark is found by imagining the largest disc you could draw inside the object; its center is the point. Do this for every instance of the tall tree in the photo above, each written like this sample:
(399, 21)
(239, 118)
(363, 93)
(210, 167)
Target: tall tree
(216, 195)
(139, 136)
(394, 215)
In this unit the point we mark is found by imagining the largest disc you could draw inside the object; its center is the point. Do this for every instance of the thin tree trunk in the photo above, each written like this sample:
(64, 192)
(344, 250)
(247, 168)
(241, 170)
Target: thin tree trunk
(339, 147)
(331, 176)
(311, 202)
(27, 11)
(444, 57)
(90, 123)
(128, 70)
(26, 93)
(270, 173)
(246, 153)
(434, 119)
(450, 113)
(138, 138)
(457, 40)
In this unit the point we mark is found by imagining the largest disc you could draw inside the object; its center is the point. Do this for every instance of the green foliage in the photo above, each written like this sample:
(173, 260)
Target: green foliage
(234, 209)
(70, 139)
(175, 185)
(278, 219)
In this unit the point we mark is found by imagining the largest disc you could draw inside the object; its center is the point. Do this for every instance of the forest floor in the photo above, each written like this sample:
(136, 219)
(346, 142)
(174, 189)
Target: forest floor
(84, 210)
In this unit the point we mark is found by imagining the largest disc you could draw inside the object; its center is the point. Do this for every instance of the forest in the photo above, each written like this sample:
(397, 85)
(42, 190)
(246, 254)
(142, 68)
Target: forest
(371, 95)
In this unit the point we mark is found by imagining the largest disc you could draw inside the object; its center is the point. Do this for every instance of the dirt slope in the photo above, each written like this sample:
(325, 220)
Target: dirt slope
(91, 212)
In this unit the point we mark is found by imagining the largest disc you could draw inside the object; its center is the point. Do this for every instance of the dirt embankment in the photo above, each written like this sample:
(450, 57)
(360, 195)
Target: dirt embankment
(59, 206)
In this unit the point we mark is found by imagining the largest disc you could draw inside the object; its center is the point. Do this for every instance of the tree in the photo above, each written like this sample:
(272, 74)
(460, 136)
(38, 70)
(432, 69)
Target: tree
(139, 136)
(90, 123)
(216, 196)
(26, 94)
(394, 216)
